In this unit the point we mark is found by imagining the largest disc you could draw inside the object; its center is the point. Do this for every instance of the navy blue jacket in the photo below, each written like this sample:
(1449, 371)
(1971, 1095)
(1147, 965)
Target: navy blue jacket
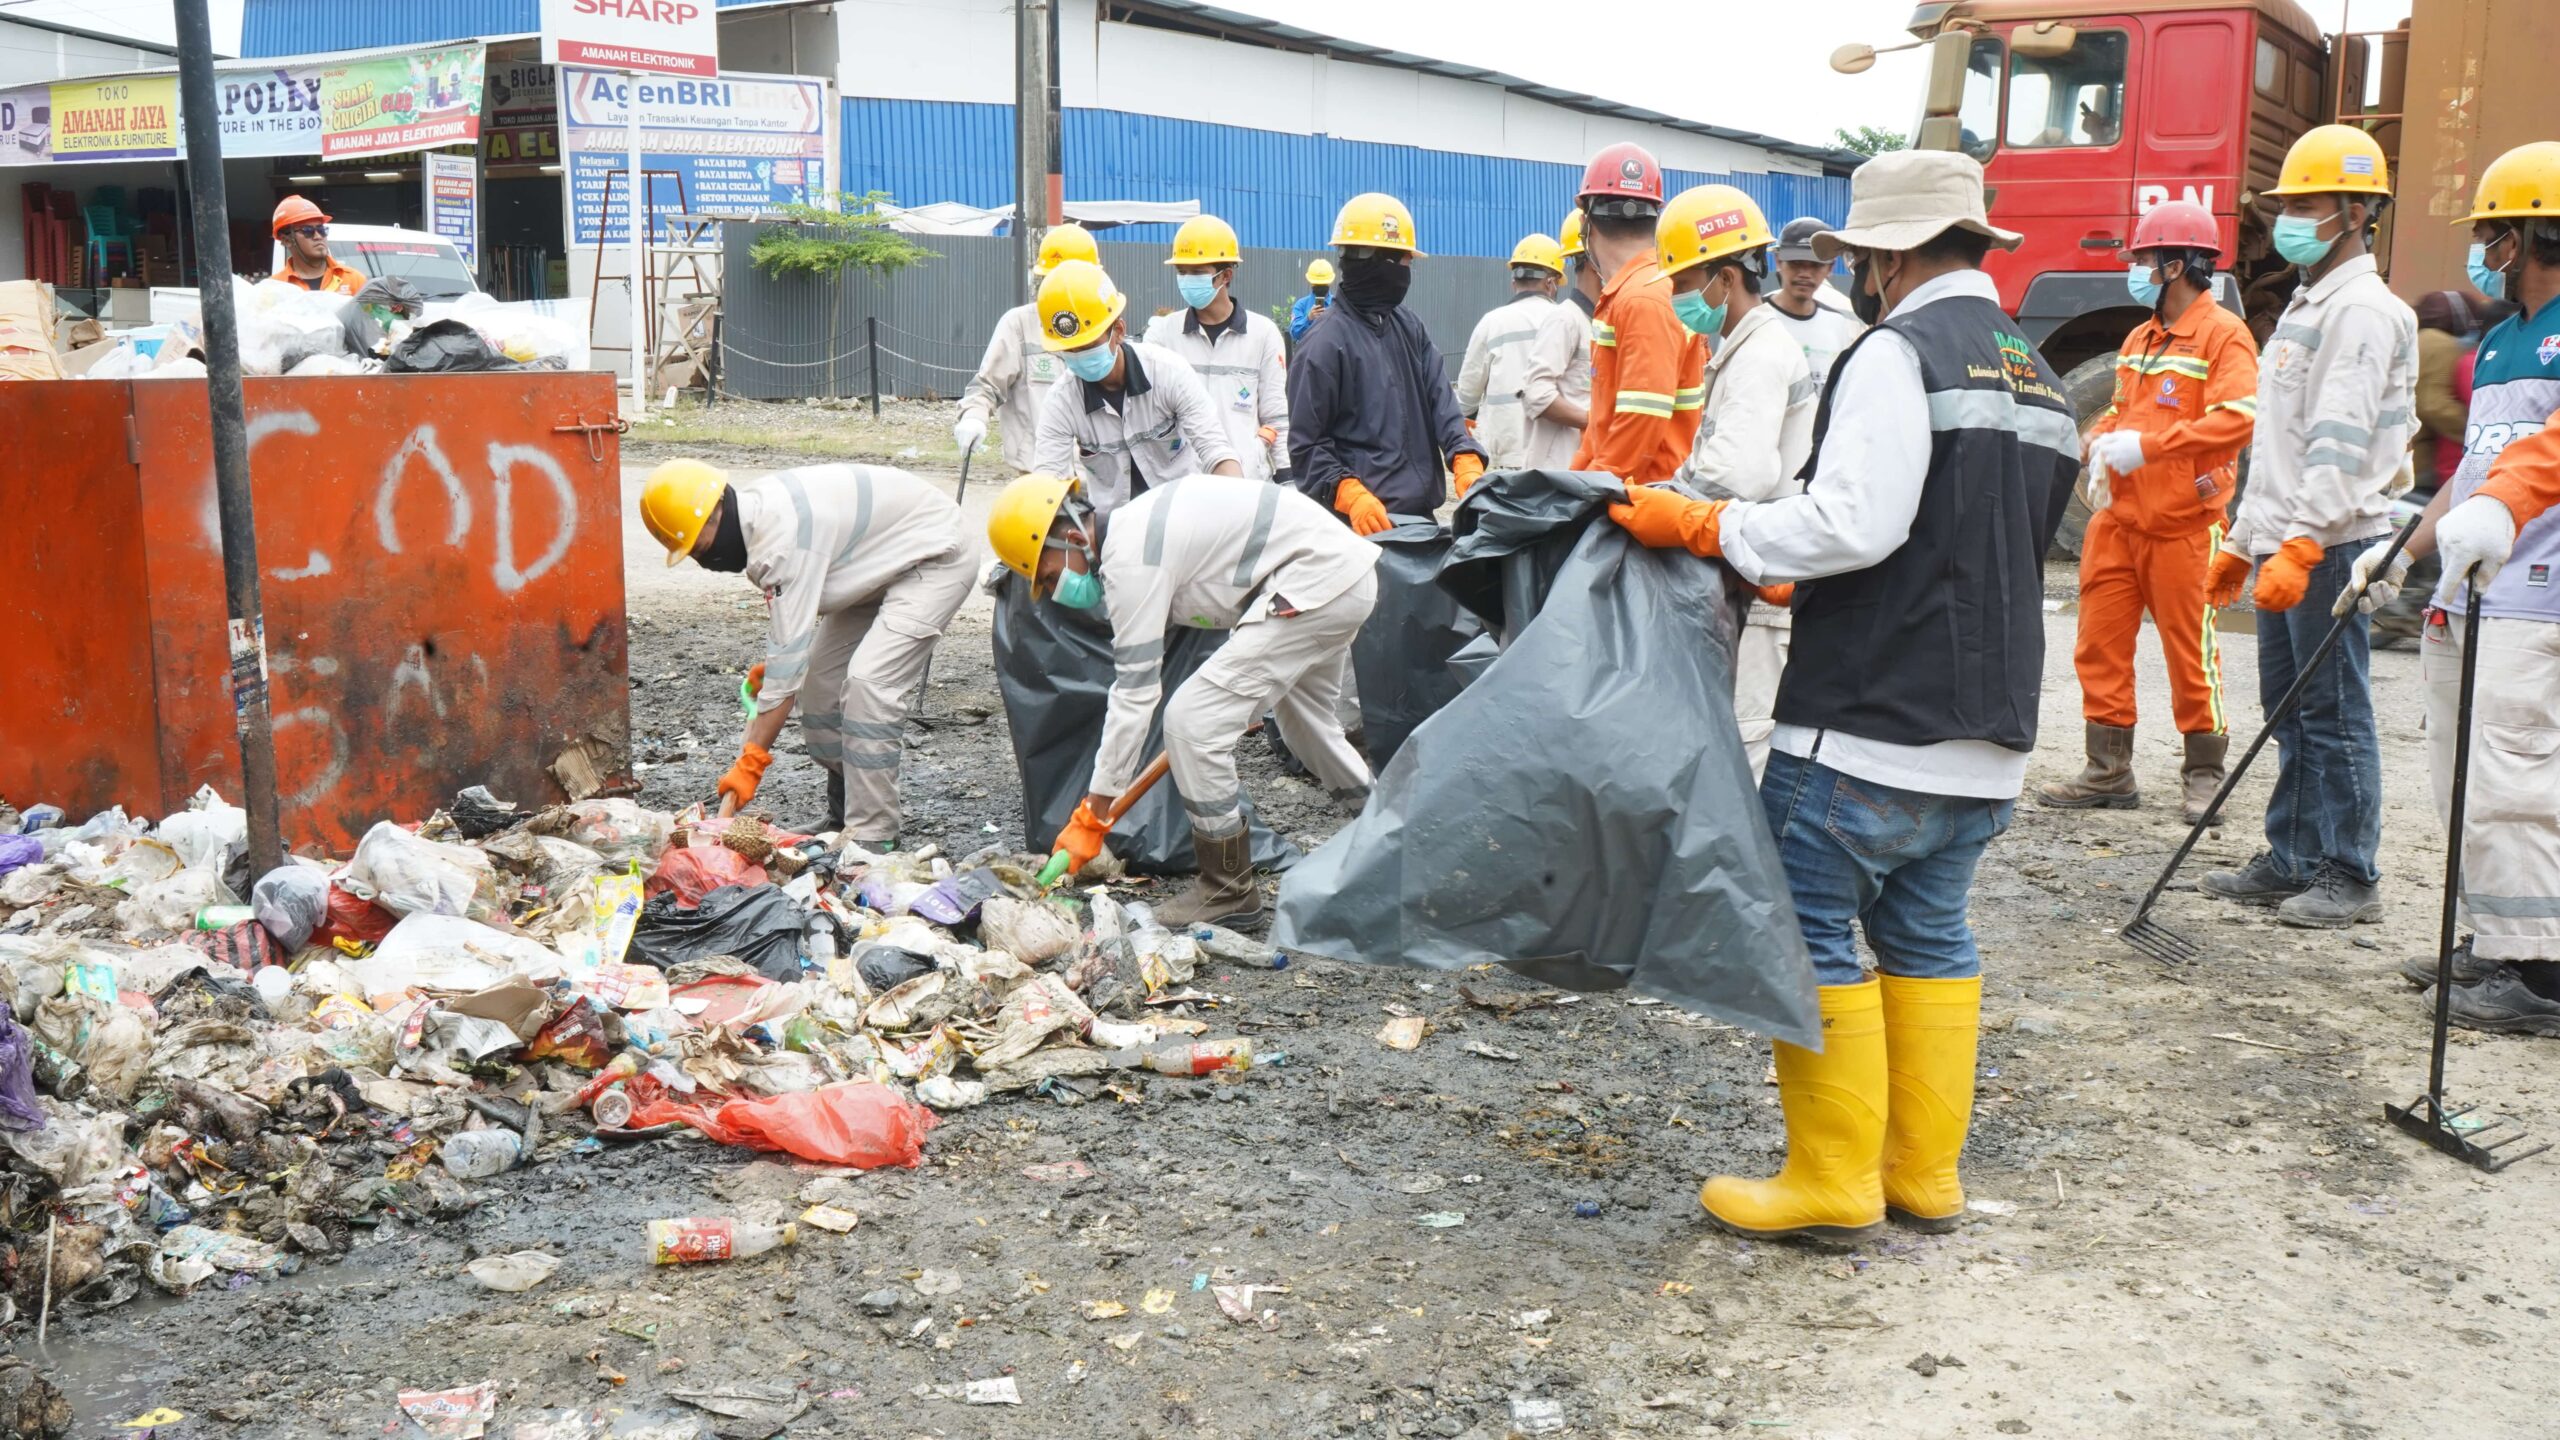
(1368, 399)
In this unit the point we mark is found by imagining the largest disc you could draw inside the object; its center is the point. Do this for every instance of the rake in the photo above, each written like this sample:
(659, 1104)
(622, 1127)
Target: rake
(2427, 1116)
(2148, 935)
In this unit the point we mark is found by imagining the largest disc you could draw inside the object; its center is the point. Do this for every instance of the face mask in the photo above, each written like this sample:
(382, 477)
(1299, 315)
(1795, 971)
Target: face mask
(2139, 284)
(1078, 590)
(2490, 282)
(1868, 307)
(1374, 284)
(1197, 290)
(2298, 240)
(728, 552)
(1694, 312)
(1092, 362)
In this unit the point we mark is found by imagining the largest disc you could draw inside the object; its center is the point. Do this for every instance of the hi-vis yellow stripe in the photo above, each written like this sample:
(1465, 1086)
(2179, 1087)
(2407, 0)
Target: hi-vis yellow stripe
(1694, 398)
(2212, 647)
(2245, 406)
(1604, 334)
(1644, 402)
(2164, 365)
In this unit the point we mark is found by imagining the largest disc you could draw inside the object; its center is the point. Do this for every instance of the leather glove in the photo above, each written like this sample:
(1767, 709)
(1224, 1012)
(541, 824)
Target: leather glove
(739, 785)
(1368, 515)
(1467, 470)
(2475, 538)
(1781, 595)
(2367, 591)
(1082, 839)
(2222, 581)
(2287, 573)
(968, 430)
(2120, 451)
(1667, 520)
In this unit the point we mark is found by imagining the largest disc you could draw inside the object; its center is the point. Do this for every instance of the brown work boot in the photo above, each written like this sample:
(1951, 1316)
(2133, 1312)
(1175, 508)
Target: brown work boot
(1224, 893)
(2107, 783)
(2200, 779)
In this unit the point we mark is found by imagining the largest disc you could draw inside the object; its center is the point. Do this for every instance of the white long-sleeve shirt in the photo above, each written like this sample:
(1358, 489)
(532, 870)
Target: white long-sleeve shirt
(1244, 368)
(1858, 510)
(1758, 426)
(1159, 426)
(1213, 552)
(2337, 407)
(1559, 368)
(1014, 376)
(1493, 381)
(824, 538)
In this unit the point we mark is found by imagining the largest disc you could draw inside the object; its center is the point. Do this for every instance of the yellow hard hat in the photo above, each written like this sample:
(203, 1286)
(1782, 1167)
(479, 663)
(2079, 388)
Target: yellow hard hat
(1077, 305)
(676, 501)
(1319, 272)
(1570, 233)
(1539, 250)
(1018, 526)
(1066, 242)
(1378, 221)
(1708, 222)
(2523, 184)
(1205, 240)
(2333, 159)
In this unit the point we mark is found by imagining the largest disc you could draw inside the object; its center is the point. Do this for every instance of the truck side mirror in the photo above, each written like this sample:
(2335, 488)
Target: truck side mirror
(1948, 55)
(1853, 59)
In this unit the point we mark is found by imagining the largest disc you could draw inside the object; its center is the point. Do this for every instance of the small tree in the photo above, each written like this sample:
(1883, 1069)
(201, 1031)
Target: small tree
(822, 241)
(1868, 139)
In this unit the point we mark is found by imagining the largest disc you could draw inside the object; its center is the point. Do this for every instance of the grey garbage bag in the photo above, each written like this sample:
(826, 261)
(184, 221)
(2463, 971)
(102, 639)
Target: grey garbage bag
(1054, 666)
(1583, 813)
(1401, 655)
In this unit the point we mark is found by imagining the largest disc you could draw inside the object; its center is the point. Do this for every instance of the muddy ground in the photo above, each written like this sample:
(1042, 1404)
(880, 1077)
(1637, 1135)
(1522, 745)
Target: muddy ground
(2192, 1221)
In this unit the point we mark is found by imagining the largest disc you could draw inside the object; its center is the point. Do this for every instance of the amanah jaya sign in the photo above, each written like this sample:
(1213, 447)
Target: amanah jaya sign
(394, 103)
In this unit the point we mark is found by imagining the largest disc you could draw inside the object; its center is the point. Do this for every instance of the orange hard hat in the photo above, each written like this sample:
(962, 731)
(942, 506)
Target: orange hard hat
(294, 210)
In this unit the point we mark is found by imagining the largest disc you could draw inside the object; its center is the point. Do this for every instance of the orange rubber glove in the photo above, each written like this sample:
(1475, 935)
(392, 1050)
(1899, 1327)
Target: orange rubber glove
(1367, 513)
(2287, 573)
(1667, 520)
(1266, 434)
(740, 783)
(755, 678)
(1082, 839)
(2222, 581)
(1781, 595)
(1466, 470)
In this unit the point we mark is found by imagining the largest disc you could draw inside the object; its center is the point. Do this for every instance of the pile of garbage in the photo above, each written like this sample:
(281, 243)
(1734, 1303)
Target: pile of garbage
(205, 1076)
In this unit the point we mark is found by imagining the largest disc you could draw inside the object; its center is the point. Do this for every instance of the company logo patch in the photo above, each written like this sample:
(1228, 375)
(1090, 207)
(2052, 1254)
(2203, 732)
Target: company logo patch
(2539, 577)
(2549, 349)
(2169, 392)
(1631, 169)
(2356, 165)
(1710, 226)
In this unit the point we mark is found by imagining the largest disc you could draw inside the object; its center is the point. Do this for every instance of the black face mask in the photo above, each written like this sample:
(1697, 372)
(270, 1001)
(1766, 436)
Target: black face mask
(1863, 303)
(1374, 284)
(728, 552)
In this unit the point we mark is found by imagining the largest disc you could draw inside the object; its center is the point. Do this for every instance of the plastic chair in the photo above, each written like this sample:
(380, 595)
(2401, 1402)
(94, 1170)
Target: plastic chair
(107, 239)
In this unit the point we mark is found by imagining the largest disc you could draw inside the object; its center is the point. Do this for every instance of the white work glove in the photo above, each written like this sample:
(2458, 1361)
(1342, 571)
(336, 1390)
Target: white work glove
(2475, 538)
(2367, 592)
(2102, 490)
(968, 430)
(2119, 450)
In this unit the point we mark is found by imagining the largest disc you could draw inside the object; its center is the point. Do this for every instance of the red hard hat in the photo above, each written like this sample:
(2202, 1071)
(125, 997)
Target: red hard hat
(2177, 225)
(1624, 171)
(294, 210)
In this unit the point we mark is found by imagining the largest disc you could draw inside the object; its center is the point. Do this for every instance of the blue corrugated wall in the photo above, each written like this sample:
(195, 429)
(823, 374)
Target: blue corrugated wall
(1276, 188)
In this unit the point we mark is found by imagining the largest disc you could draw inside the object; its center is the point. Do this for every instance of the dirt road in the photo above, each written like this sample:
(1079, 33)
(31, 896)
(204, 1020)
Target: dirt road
(2192, 1221)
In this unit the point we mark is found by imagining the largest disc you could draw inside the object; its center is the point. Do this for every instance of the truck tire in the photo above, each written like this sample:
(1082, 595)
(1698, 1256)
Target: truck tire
(2091, 388)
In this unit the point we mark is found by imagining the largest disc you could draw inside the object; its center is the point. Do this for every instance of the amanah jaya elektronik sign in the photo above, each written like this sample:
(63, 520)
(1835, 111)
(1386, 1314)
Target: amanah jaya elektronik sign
(665, 37)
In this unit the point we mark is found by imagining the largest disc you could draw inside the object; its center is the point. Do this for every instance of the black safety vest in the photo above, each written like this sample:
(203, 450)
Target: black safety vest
(1944, 638)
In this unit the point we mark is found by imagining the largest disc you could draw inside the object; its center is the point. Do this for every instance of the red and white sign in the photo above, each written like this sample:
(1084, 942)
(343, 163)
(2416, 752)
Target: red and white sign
(668, 37)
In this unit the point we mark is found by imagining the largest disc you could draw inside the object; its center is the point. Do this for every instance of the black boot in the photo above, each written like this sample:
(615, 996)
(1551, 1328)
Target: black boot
(2503, 1004)
(2468, 969)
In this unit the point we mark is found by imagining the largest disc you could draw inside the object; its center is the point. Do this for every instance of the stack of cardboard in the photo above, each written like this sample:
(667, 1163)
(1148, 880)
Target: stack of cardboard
(27, 332)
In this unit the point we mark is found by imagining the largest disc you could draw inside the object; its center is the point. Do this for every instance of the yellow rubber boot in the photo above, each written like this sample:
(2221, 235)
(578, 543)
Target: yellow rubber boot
(1831, 1186)
(1930, 1029)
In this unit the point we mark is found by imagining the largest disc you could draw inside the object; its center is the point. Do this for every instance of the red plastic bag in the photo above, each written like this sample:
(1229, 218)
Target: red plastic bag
(695, 871)
(354, 917)
(858, 1124)
(244, 946)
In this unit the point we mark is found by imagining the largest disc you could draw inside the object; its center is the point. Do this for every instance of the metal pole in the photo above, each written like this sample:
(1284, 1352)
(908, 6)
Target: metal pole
(872, 324)
(1031, 107)
(639, 247)
(248, 627)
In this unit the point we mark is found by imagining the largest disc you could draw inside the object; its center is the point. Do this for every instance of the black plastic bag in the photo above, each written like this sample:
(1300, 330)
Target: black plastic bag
(1584, 812)
(1054, 667)
(1402, 653)
(757, 924)
(446, 347)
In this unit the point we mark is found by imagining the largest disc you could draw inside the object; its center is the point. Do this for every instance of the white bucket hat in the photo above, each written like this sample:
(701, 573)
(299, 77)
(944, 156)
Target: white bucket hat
(1903, 199)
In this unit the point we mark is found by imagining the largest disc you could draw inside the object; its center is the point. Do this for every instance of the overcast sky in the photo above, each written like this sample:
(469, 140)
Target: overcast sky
(1751, 64)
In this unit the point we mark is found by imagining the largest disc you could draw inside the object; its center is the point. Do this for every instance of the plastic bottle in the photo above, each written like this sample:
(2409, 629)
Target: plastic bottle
(611, 1108)
(1189, 1058)
(700, 1238)
(479, 1154)
(223, 917)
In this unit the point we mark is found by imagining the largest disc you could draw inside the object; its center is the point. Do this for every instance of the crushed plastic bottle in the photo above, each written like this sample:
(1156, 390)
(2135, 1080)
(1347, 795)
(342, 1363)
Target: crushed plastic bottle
(1220, 943)
(701, 1238)
(1189, 1058)
(479, 1154)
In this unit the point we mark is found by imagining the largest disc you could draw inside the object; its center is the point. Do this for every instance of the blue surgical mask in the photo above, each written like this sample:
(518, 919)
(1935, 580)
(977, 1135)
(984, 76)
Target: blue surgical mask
(1092, 362)
(2492, 283)
(2139, 284)
(1197, 290)
(2298, 240)
(1694, 312)
(1078, 590)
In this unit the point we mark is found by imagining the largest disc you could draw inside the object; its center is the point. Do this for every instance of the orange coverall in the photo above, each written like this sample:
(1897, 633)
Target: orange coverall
(2189, 389)
(1648, 379)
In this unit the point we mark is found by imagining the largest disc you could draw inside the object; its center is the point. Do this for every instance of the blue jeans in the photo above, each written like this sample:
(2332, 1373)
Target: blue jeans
(2328, 797)
(1897, 863)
